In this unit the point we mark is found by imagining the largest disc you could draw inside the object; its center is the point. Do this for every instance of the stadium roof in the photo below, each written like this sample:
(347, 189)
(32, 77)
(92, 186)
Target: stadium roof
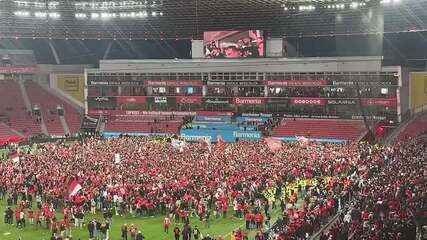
(190, 18)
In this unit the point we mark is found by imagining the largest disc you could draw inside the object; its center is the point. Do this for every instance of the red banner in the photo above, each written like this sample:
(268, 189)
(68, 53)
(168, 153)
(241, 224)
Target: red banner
(249, 101)
(131, 99)
(380, 102)
(295, 83)
(308, 101)
(9, 70)
(174, 83)
(166, 113)
(189, 100)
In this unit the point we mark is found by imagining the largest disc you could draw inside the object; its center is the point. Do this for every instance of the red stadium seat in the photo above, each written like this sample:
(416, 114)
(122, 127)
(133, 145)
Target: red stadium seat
(47, 103)
(13, 107)
(315, 128)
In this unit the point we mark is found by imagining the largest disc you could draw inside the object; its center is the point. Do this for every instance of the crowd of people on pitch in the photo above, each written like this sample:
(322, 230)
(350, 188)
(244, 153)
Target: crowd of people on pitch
(391, 201)
(305, 184)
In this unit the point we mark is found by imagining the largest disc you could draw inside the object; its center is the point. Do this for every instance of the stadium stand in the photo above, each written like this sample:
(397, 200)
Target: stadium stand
(13, 108)
(48, 104)
(320, 129)
(416, 127)
(6, 131)
(144, 124)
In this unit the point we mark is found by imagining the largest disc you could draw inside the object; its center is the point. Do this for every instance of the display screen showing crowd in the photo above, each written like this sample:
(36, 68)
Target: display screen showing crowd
(234, 44)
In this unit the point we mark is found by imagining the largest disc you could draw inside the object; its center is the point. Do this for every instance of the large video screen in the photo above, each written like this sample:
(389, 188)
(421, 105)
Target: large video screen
(234, 44)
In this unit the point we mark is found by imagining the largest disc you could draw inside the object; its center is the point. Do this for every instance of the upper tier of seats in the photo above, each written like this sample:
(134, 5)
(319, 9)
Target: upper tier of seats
(319, 128)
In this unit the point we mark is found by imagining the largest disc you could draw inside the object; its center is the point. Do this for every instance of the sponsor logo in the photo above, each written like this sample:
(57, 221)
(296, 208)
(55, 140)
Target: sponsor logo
(217, 101)
(98, 83)
(160, 99)
(310, 116)
(358, 117)
(191, 100)
(247, 135)
(361, 83)
(233, 83)
(296, 83)
(342, 102)
(193, 138)
(101, 99)
(211, 83)
(248, 101)
(257, 115)
(308, 101)
(173, 83)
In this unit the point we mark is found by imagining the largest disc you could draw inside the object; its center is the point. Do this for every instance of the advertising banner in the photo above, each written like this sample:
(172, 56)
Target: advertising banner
(194, 135)
(327, 140)
(287, 115)
(418, 90)
(95, 112)
(308, 101)
(362, 83)
(217, 119)
(219, 126)
(114, 82)
(252, 119)
(135, 134)
(369, 117)
(214, 113)
(249, 101)
(131, 99)
(72, 84)
(296, 83)
(174, 83)
(267, 115)
(379, 102)
(189, 100)
(234, 83)
(17, 70)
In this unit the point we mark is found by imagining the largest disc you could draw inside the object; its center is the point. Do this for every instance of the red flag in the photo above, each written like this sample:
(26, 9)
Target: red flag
(220, 143)
(274, 144)
(74, 188)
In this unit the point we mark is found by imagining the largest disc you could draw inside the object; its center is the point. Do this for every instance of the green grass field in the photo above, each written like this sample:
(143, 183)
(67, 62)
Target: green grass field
(151, 227)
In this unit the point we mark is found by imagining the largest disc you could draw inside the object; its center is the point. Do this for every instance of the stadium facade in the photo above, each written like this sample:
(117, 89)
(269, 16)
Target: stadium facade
(331, 88)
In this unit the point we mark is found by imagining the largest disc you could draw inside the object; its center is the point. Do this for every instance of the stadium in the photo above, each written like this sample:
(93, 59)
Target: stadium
(213, 120)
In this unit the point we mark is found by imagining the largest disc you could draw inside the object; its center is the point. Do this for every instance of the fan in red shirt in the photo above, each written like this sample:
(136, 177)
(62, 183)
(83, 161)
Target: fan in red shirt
(259, 220)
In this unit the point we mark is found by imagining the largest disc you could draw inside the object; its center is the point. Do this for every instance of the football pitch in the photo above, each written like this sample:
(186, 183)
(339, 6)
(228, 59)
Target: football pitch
(151, 227)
